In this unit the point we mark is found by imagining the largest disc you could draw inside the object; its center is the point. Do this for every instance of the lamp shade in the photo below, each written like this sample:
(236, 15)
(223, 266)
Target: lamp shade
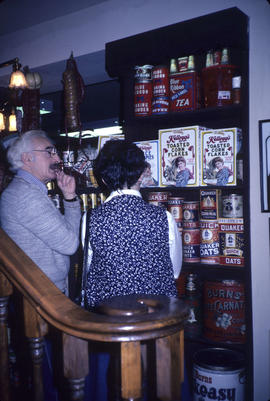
(12, 126)
(2, 121)
(17, 80)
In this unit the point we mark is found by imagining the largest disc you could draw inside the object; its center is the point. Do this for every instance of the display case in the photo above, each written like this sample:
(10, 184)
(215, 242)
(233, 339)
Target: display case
(227, 29)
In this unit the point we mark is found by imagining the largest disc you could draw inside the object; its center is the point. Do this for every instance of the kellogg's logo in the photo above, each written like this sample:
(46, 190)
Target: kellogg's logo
(181, 138)
(214, 139)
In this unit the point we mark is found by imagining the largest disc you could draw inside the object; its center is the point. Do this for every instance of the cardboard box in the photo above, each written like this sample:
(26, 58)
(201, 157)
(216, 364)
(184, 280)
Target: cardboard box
(179, 156)
(231, 241)
(219, 150)
(151, 153)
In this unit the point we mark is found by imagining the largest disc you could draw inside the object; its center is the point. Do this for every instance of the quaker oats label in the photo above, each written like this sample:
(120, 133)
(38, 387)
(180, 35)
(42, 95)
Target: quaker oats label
(209, 245)
(218, 374)
(231, 241)
(209, 204)
(191, 246)
(224, 311)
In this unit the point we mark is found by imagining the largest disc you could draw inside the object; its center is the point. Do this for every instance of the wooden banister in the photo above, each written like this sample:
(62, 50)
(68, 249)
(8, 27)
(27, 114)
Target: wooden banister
(44, 304)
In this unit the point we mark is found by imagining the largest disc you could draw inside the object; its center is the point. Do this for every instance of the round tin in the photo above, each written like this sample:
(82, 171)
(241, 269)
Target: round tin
(191, 214)
(143, 73)
(159, 198)
(160, 78)
(142, 98)
(219, 374)
(175, 207)
(191, 246)
(160, 105)
(224, 311)
(209, 243)
(181, 284)
(232, 205)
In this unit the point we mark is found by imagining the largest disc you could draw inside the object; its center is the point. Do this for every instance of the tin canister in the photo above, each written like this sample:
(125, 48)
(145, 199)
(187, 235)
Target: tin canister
(175, 206)
(231, 241)
(209, 242)
(191, 214)
(191, 245)
(181, 284)
(209, 204)
(232, 205)
(160, 79)
(224, 311)
(160, 105)
(142, 98)
(218, 374)
(159, 198)
(184, 91)
(143, 73)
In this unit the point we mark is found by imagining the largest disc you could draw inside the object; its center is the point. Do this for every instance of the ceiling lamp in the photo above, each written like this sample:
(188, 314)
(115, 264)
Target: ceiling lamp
(17, 78)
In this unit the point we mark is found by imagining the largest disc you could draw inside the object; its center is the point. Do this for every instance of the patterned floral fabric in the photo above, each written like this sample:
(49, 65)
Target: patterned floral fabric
(129, 239)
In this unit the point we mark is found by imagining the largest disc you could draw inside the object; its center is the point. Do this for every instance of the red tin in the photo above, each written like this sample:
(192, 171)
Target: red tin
(191, 214)
(224, 311)
(160, 79)
(209, 244)
(191, 246)
(160, 105)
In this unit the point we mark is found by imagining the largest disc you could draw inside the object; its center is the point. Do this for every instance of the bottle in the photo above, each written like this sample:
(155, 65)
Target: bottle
(193, 327)
(209, 59)
(173, 66)
(84, 202)
(236, 90)
(191, 63)
(225, 56)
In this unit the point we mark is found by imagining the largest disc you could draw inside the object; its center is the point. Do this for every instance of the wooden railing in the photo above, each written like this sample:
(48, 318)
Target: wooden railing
(45, 305)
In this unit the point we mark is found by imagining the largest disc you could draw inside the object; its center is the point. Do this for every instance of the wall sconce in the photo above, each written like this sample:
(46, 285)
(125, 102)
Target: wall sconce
(12, 122)
(17, 78)
(2, 121)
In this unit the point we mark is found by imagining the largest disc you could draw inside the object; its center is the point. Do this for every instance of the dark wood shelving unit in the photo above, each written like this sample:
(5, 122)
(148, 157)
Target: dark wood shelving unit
(227, 28)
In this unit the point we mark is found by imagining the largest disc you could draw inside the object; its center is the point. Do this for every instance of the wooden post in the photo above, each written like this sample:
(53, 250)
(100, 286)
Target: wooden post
(168, 363)
(131, 371)
(5, 291)
(76, 365)
(35, 329)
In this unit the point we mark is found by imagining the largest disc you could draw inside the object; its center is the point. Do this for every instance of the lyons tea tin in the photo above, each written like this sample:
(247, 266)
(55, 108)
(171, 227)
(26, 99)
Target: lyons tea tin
(224, 311)
(218, 374)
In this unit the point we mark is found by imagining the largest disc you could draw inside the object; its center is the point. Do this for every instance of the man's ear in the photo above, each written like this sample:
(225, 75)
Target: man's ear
(27, 157)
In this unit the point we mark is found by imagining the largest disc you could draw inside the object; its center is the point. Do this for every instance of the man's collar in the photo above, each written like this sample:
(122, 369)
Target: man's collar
(31, 179)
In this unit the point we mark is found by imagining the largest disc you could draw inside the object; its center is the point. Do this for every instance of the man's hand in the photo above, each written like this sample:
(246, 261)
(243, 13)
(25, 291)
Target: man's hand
(67, 184)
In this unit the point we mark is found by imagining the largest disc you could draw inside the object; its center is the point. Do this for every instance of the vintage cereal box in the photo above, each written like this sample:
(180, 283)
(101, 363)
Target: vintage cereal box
(179, 156)
(102, 139)
(218, 158)
(151, 153)
(231, 241)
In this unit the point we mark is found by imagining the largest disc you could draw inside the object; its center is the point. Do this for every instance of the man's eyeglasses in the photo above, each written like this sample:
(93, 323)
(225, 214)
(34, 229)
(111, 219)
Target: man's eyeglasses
(51, 150)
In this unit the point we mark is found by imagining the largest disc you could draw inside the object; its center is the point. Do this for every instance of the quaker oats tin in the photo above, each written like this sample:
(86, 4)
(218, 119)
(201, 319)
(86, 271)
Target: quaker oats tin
(191, 214)
(209, 243)
(231, 241)
(224, 311)
(191, 245)
(175, 206)
(218, 374)
(159, 198)
(209, 204)
(160, 79)
(232, 205)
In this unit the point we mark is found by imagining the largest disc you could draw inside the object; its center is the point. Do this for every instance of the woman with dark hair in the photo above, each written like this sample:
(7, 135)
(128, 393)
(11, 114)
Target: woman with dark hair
(133, 247)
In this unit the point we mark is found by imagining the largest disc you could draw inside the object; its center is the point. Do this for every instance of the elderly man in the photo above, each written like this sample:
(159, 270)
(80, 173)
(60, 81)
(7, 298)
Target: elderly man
(29, 216)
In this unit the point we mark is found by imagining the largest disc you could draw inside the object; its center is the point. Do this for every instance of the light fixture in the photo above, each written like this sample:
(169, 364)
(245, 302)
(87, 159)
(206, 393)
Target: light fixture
(12, 123)
(2, 121)
(17, 78)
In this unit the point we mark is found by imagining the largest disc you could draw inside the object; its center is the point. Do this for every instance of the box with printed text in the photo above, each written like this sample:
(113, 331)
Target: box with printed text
(180, 156)
(151, 153)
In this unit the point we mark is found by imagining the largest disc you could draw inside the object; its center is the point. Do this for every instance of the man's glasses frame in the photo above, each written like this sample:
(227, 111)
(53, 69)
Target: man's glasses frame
(51, 150)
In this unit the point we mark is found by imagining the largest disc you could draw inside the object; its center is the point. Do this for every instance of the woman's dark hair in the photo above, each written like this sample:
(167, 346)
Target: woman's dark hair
(118, 163)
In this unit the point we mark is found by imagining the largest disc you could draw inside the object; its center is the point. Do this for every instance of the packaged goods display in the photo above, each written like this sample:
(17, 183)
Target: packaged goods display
(219, 156)
(151, 153)
(181, 86)
(179, 156)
